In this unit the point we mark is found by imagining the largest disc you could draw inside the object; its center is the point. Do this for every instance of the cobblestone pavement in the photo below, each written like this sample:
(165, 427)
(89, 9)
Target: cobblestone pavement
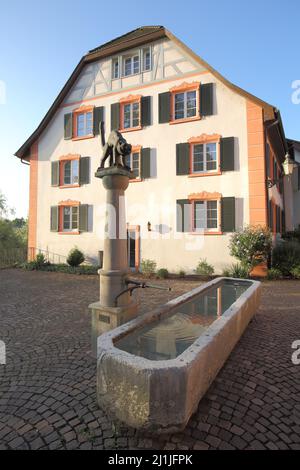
(47, 388)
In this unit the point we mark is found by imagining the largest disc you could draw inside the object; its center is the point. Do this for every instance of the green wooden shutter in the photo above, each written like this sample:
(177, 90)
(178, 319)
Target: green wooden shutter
(270, 212)
(68, 126)
(84, 170)
(115, 116)
(98, 117)
(183, 215)
(206, 99)
(228, 214)
(146, 111)
(164, 107)
(283, 221)
(227, 154)
(54, 173)
(54, 218)
(278, 224)
(83, 217)
(182, 159)
(146, 163)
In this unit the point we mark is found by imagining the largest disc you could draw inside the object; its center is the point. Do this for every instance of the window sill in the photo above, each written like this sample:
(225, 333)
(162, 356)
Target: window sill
(131, 129)
(64, 186)
(84, 137)
(69, 233)
(209, 173)
(136, 180)
(180, 121)
(206, 233)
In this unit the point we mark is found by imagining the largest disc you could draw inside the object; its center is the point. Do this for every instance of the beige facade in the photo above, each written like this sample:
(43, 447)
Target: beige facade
(152, 199)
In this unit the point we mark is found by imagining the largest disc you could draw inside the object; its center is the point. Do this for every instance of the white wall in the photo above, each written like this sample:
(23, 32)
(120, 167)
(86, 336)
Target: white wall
(161, 190)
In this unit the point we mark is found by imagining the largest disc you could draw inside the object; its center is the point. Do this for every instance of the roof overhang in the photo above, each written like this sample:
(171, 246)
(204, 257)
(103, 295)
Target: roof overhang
(129, 41)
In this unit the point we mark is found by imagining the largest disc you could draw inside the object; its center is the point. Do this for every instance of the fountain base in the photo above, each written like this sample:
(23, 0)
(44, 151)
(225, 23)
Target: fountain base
(107, 318)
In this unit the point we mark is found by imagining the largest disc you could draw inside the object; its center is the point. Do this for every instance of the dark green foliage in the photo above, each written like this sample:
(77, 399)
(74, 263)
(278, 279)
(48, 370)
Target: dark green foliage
(274, 274)
(60, 268)
(162, 273)
(75, 257)
(236, 270)
(286, 256)
(251, 246)
(204, 268)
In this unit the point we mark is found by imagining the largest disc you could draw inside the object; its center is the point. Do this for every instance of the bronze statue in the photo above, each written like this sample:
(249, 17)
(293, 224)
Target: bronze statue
(116, 148)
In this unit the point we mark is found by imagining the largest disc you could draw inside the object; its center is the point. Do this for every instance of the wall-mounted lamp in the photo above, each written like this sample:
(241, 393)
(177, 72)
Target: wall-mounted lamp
(288, 167)
(149, 226)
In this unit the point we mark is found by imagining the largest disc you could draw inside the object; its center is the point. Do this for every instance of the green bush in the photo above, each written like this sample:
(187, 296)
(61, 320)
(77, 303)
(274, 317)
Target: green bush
(236, 270)
(273, 274)
(75, 257)
(226, 272)
(61, 268)
(162, 273)
(181, 273)
(295, 272)
(251, 246)
(293, 235)
(204, 268)
(286, 257)
(148, 267)
(40, 260)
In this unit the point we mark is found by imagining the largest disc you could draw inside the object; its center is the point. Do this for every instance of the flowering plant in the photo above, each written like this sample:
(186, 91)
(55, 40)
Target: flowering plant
(251, 246)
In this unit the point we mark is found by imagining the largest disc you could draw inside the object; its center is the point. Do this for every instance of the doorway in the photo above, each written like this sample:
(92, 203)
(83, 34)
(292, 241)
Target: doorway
(133, 247)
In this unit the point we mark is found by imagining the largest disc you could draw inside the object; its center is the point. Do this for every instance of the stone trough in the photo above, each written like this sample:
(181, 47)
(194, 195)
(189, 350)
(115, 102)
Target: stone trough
(153, 371)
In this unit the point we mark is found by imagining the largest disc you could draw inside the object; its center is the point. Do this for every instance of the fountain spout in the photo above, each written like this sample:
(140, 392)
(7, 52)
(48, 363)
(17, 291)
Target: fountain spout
(138, 285)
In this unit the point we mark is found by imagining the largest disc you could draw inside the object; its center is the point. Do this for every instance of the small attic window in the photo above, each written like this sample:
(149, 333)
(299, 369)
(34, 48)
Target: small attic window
(115, 68)
(132, 64)
(146, 58)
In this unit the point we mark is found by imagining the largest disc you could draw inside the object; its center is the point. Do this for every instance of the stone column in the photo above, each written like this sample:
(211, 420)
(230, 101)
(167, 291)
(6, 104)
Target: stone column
(111, 311)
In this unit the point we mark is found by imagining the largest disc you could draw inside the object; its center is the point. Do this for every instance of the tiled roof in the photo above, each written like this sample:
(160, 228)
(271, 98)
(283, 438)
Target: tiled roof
(134, 34)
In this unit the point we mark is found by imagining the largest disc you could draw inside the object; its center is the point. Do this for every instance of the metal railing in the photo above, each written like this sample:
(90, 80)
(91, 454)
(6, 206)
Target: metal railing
(55, 258)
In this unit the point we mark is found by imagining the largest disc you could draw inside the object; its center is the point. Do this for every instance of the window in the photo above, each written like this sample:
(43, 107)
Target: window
(204, 157)
(70, 172)
(115, 68)
(146, 59)
(133, 162)
(139, 61)
(185, 104)
(69, 218)
(131, 65)
(131, 115)
(205, 215)
(84, 124)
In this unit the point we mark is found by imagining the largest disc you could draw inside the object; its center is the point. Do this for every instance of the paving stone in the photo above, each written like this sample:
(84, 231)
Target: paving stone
(48, 398)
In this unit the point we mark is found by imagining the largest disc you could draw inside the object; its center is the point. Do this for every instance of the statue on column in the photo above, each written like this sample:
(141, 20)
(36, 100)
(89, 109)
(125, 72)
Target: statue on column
(116, 148)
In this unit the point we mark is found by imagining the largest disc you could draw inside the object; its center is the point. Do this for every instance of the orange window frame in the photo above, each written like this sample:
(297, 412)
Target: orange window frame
(204, 139)
(185, 87)
(62, 160)
(131, 99)
(205, 196)
(61, 206)
(76, 113)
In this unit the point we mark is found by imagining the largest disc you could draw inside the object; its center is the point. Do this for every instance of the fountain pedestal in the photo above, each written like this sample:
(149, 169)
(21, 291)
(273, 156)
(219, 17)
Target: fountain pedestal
(109, 313)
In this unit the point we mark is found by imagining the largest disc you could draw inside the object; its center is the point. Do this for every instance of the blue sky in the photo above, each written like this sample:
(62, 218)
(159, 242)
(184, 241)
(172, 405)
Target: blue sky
(255, 44)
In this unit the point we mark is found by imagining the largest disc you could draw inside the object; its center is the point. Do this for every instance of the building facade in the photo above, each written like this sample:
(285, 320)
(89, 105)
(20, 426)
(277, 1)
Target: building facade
(203, 154)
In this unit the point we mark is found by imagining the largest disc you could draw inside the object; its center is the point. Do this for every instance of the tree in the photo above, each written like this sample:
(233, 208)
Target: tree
(3, 204)
(251, 246)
